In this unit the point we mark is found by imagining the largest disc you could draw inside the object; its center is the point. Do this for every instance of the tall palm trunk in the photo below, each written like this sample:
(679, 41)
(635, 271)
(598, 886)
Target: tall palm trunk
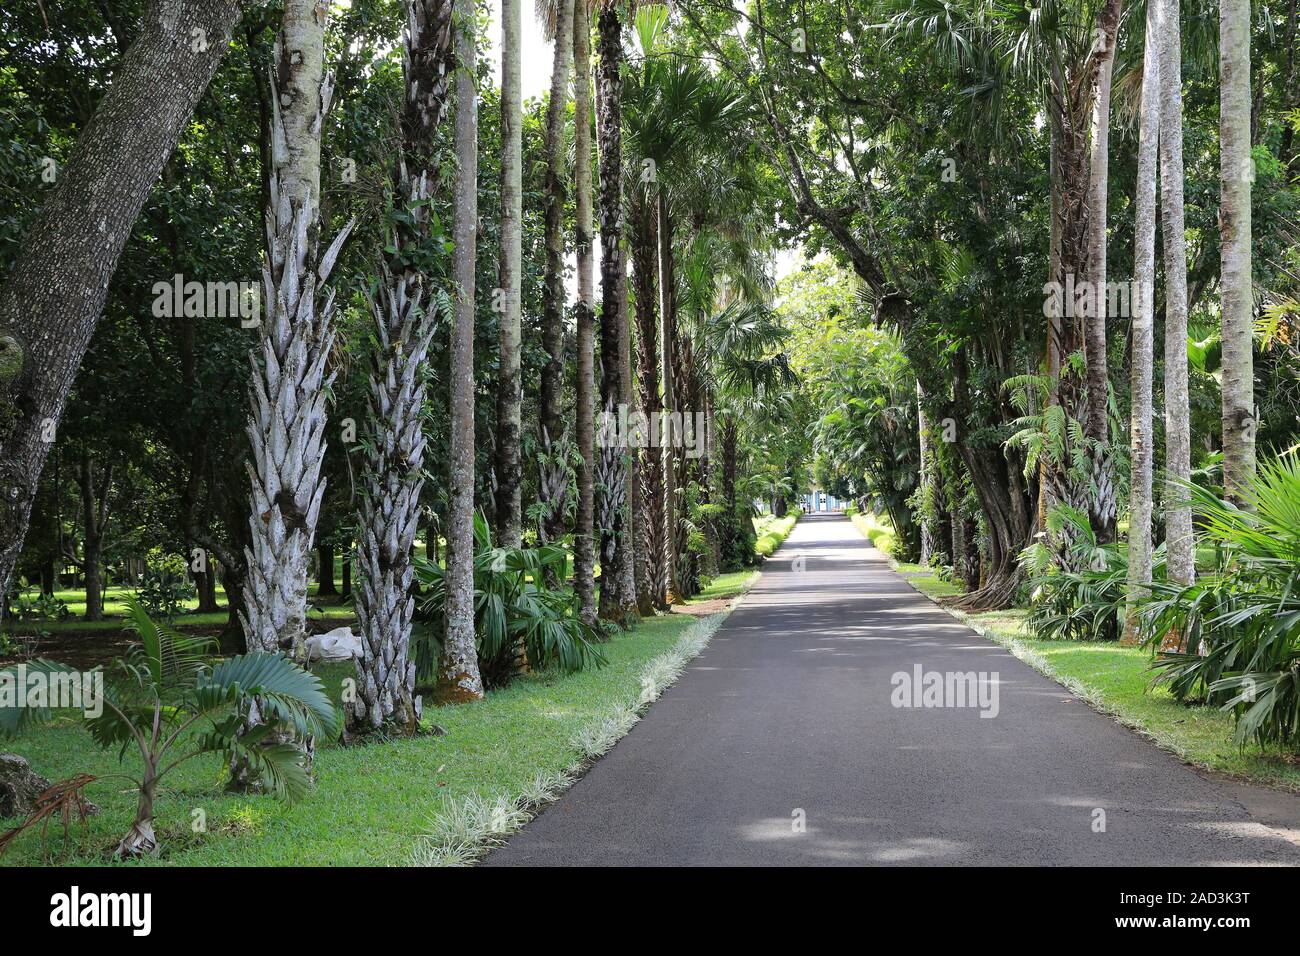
(630, 541)
(554, 478)
(928, 534)
(1235, 176)
(612, 476)
(1103, 503)
(668, 363)
(54, 294)
(1179, 545)
(394, 464)
(584, 555)
(645, 251)
(458, 673)
(287, 424)
(509, 386)
(1139, 528)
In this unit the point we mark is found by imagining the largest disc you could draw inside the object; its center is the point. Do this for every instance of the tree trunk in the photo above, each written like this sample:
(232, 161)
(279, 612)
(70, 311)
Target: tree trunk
(612, 470)
(584, 554)
(55, 292)
(1139, 528)
(1103, 504)
(1180, 551)
(667, 439)
(645, 250)
(94, 508)
(345, 586)
(458, 674)
(325, 586)
(554, 477)
(393, 473)
(141, 840)
(205, 582)
(1235, 177)
(509, 383)
(926, 480)
(290, 385)
(628, 539)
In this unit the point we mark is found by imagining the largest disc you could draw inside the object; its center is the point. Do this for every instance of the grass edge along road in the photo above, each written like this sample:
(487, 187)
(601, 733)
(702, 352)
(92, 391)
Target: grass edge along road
(440, 800)
(1112, 679)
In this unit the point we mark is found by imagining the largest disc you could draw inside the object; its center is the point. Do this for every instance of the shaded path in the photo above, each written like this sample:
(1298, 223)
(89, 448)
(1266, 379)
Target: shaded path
(789, 709)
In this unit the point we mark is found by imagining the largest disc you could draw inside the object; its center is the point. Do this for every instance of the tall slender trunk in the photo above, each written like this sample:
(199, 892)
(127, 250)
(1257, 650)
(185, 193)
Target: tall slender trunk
(645, 251)
(1180, 552)
(94, 509)
(1139, 528)
(458, 673)
(287, 397)
(584, 553)
(613, 281)
(54, 294)
(629, 541)
(509, 384)
(393, 470)
(553, 475)
(668, 365)
(1236, 174)
(926, 481)
(1103, 503)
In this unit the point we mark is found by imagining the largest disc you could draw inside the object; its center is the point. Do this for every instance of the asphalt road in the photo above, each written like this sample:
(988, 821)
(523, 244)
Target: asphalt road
(782, 745)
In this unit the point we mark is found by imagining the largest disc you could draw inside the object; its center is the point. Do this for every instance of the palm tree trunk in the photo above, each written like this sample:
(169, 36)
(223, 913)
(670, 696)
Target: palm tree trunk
(927, 523)
(1103, 504)
(612, 477)
(667, 437)
(394, 464)
(553, 483)
(287, 397)
(1235, 177)
(458, 673)
(584, 556)
(54, 294)
(1139, 529)
(1179, 545)
(645, 250)
(509, 385)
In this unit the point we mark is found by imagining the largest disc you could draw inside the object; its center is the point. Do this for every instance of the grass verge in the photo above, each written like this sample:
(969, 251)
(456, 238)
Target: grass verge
(771, 532)
(388, 803)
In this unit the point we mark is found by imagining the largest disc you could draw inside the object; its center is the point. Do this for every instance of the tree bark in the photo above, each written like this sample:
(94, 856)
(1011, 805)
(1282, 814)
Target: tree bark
(393, 473)
(645, 251)
(325, 586)
(458, 673)
(584, 553)
(55, 292)
(612, 469)
(1141, 451)
(668, 365)
(926, 481)
(1180, 552)
(1236, 174)
(509, 383)
(94, 509)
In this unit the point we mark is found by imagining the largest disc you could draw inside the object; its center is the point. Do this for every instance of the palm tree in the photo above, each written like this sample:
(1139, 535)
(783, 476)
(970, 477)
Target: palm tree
(287, 395)
(393, 473)
(611, 475)
(509, 383)
(584, 556)
(1235, 177)
(1180, 551)
(458, 674)
(1139, 530)
(558, 23)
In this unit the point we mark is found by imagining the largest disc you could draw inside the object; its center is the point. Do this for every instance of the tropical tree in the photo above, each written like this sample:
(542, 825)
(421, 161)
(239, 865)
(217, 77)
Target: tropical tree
(458, 674)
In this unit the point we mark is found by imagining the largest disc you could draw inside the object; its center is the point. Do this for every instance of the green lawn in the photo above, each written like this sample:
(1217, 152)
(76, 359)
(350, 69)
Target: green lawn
(371, 804)
(1117, 681)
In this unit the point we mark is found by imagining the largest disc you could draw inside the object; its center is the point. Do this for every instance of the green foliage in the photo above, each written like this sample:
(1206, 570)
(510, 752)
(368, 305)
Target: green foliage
(1240, 624)
(512, 606)
(164, 588)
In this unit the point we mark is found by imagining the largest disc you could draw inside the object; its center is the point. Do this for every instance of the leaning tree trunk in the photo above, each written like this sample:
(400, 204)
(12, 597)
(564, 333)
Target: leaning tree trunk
(1103, 503)
(553, 477)
(1180, 556)
(645, 249)
(55, 292)
(393, 474)
(611, 469)
(286, 427)
(1139, 527)
(1236, 174)
(509, 383)
(584, 553)
(458, 673)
